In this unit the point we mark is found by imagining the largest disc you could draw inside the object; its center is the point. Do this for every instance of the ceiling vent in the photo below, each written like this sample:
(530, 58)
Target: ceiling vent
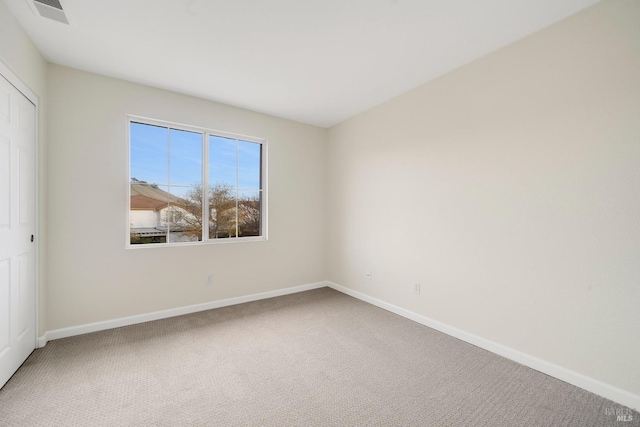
(51, 9)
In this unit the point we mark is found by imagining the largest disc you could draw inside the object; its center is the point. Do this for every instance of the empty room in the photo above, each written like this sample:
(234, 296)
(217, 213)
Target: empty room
(310, 213)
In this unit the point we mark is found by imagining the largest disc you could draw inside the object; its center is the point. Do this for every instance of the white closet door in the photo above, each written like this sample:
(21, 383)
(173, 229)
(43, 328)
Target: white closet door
(17, 226)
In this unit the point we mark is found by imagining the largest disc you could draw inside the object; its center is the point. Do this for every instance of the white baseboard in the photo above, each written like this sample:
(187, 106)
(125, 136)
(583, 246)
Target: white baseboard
(163, 314)
(605, 390)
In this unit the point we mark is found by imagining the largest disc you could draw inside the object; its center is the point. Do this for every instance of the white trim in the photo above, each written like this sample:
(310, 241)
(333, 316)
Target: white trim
(7, 73)
(127, 229)
(206, 217)
(163, 314)
(198, 243)
(17, 82)
(36, 226)
(264, 189)
(41, 341)
(191, 128)
(206, 134)
(600, 388)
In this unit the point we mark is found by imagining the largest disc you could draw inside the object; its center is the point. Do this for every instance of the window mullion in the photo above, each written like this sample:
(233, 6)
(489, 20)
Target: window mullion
(205, 187)
(237, 191)
(168, 239)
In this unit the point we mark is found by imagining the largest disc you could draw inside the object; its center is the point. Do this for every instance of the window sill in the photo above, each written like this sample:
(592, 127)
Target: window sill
(208, 242)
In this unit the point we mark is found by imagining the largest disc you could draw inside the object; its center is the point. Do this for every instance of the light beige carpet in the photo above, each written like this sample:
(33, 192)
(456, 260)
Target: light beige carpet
(318, 358)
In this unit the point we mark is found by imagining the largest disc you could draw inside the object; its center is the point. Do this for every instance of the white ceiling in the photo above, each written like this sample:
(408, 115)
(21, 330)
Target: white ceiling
(314, 61)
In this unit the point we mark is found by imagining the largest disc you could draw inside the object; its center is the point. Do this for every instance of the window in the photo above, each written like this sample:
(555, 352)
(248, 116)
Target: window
(190, 185)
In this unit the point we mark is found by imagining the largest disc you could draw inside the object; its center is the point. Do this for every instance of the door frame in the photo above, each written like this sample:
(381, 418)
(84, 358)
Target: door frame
(17, 82)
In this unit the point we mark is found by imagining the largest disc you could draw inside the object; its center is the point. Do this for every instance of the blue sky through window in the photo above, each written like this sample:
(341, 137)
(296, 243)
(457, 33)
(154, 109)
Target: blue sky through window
(151, 162)
(149, 152)
(185, 161)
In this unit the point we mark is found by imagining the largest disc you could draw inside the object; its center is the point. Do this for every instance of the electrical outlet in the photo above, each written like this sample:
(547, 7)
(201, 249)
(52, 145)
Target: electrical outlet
(416, 288)
(208, 281)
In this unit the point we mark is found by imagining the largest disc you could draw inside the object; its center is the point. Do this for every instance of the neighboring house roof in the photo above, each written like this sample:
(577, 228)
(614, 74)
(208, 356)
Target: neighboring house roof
(140, 202)
(146, 196)
(152, 191)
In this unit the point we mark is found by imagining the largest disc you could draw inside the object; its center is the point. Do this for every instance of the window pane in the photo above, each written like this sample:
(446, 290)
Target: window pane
(222, 161)
(249, 165)
(147, 204)
(222, 211)
(185, 161)
(148, 145)
(184, 214)
(249, 213)
(167, 186)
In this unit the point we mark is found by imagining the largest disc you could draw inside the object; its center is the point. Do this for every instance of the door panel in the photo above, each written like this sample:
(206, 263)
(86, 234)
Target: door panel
(24, 295)
(17, 224)
(5, 302)
(5, 182)
(5, 104)
(25, 192)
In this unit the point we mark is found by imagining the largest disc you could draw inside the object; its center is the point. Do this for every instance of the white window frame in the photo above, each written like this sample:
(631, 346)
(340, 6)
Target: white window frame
(206, 132)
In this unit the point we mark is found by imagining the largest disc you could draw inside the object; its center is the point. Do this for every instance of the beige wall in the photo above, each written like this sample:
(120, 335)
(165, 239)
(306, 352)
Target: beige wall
(21, 56)
(92, 277)
(510, 189)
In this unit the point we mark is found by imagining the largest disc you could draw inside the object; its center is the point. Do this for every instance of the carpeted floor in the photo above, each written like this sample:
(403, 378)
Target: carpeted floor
(317, 358)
